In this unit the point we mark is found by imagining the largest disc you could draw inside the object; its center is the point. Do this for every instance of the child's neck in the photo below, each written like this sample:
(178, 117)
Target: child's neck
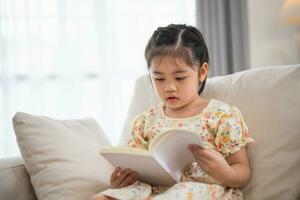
(192, 109)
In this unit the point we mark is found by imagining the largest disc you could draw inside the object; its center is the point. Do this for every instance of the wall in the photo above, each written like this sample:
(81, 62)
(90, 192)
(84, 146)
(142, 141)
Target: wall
(270, 41)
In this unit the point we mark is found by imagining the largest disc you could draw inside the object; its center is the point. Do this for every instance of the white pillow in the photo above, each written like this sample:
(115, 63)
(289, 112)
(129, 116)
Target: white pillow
(61, 156)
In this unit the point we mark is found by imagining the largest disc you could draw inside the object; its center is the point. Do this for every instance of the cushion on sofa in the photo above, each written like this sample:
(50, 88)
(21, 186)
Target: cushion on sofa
(15, 182)
(269, 100)
(62, 157)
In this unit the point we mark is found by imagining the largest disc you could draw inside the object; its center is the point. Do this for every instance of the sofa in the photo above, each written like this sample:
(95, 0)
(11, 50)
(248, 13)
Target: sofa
(269, 99)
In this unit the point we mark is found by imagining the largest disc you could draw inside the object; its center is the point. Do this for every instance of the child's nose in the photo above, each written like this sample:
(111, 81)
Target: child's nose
(170, 87)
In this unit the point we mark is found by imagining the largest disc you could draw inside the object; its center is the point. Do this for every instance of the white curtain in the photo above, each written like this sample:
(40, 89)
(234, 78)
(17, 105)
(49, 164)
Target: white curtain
(76, 58)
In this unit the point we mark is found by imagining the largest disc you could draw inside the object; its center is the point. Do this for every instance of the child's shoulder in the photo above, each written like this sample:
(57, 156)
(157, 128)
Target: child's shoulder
(219, 112)
(220, 107)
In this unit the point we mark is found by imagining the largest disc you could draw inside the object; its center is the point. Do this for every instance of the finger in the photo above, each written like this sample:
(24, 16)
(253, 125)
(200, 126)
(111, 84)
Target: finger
(205, 156)
(209, 154)
(202, 151)
(136, 178)
(198, 146)
(192, 147)
(132, 176)
(197, 156)
(133, 181)
(115, 174)
(122, 176)
(195, 149)
(198, 153)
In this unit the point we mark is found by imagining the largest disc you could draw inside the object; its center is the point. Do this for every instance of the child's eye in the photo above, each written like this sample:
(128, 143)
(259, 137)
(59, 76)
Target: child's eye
(158, 79)
(180, 78)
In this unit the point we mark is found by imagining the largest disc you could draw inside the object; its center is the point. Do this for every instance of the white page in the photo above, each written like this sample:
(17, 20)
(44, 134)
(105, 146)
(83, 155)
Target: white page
(172, 151)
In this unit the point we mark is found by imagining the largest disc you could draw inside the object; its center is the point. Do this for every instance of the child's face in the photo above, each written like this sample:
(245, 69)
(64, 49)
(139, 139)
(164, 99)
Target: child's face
(175, 82)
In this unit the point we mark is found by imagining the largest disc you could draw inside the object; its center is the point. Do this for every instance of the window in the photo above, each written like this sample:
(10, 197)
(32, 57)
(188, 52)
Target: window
(76, 58)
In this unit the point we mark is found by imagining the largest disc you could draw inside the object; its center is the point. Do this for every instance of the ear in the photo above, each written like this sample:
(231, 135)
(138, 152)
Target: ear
(203, 71)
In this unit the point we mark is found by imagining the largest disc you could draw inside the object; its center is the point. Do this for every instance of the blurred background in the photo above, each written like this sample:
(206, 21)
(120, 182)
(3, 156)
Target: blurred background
(71, 59)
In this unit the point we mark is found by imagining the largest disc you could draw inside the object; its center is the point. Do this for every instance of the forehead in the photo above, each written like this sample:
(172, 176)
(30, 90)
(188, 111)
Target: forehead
(170, 64)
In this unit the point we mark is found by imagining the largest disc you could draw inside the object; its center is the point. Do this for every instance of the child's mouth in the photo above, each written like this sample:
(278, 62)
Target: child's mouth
(172, 99)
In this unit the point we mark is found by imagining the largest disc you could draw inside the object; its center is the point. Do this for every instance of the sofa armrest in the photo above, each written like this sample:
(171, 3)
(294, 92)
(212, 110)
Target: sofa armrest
(15, 182)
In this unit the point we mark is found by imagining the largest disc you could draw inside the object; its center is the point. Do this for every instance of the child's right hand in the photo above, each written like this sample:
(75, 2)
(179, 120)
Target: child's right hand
(122, 178)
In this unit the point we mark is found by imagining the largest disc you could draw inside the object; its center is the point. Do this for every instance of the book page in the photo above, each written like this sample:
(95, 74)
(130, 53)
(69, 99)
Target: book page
(140, 160)
(123, 150)
(171, 151)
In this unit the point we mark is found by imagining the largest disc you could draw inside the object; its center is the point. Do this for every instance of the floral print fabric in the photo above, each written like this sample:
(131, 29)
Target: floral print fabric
(219, 126)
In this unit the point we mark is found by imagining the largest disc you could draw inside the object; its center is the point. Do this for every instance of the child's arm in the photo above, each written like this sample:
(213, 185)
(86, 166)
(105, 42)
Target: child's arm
(241, 168)
(235, 172)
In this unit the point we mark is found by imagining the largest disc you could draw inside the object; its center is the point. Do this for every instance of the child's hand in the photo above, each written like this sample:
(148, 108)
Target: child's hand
(211, 161)
(121, 178)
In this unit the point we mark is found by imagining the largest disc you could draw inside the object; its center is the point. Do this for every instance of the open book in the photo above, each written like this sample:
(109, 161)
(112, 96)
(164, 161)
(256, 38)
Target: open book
(163, 164)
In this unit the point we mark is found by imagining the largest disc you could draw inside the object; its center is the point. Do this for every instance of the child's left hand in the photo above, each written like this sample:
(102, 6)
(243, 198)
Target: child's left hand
(211, 161)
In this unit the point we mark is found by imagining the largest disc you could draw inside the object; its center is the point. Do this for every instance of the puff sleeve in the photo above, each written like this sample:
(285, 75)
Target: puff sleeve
(232, 132)
(138, 139)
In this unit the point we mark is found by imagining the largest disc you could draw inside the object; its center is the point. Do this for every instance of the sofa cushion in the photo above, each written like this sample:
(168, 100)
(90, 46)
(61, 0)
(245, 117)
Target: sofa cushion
(15, 182)
(62, 157)
(270, 103)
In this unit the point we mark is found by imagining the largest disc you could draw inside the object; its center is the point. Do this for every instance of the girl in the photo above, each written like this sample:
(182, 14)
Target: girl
(177, 59)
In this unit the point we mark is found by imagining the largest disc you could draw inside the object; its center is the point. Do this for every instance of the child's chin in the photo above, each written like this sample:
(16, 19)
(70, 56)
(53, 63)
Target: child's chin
(173, 105)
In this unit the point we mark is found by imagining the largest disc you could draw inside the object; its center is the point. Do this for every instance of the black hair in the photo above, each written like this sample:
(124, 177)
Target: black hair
(179, 41)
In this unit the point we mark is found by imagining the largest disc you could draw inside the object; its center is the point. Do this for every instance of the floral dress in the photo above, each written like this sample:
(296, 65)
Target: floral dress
(219, 126)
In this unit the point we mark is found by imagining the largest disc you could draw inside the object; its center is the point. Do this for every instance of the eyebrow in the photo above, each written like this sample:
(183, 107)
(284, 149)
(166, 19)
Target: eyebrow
(180, 71)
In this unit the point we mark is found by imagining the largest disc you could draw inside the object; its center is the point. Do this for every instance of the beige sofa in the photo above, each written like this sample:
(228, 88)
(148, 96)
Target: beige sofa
(270, 102)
